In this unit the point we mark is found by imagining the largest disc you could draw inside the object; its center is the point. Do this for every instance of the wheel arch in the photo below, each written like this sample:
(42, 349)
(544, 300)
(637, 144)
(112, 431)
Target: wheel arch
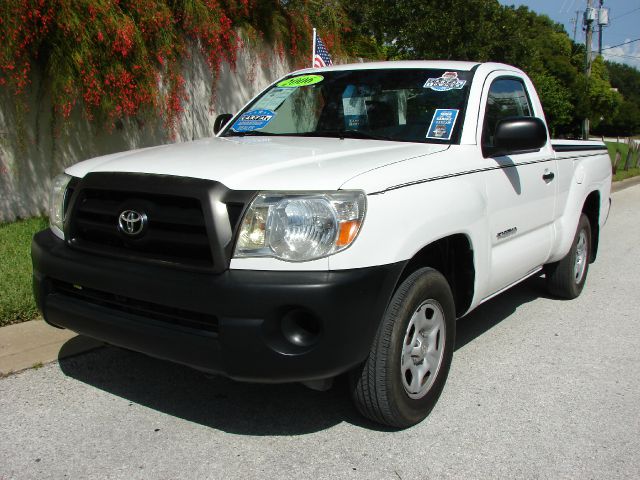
(591, 208)
(453, 257)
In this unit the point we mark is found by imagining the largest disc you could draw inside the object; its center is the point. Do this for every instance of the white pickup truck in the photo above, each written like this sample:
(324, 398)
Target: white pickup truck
(339, 223)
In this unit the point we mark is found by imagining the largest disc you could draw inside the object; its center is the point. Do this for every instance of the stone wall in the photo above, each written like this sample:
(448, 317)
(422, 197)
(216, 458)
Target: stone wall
(34, 147)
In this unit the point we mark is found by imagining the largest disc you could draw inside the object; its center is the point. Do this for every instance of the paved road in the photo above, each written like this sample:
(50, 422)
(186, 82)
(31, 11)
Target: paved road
(539, 388)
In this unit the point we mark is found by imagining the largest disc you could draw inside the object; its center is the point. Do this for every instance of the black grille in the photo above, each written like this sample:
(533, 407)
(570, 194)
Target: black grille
(176, 231)
(170, 315)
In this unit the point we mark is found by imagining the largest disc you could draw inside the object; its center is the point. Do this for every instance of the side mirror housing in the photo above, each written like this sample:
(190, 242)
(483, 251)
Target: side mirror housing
(517, 135)
(220, 121)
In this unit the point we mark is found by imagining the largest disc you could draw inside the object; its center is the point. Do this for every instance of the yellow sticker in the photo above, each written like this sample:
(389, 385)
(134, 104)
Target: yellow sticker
(301, 81)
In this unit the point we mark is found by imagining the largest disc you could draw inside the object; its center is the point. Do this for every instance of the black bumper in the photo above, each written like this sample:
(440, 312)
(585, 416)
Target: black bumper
(250, 325)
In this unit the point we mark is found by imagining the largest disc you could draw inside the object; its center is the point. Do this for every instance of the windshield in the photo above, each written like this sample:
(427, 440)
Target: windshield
(407, 105)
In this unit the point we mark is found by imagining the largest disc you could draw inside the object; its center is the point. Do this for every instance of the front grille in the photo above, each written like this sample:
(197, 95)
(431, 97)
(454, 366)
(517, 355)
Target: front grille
(191, 223)
(176, 231)
(169, 315)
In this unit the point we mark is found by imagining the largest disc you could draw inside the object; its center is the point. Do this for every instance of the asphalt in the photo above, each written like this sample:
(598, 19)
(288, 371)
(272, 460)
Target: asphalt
(539, 388)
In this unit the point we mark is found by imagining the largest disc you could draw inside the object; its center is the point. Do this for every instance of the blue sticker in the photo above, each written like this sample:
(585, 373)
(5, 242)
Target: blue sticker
(253, 120)
(354, 107)
(448, 81)
(441, 128)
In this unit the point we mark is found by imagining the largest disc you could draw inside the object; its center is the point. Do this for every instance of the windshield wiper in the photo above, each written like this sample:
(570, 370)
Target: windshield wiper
(250, 133)
(363, 134)
(342, 134)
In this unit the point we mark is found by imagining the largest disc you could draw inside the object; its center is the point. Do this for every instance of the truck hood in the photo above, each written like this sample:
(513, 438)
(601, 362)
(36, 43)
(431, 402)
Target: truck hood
(262, 163)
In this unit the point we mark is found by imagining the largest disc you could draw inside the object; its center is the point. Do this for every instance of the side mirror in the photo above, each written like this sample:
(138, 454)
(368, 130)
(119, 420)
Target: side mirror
(517, 135)
(221, 121)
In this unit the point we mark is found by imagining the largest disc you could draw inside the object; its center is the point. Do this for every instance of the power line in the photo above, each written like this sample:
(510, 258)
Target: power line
(616, 55)
(621, 56)
(621, 44)
(625, 14)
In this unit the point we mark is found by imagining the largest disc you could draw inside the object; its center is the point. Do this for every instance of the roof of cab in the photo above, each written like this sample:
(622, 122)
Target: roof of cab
(399, 64)
(485, 67)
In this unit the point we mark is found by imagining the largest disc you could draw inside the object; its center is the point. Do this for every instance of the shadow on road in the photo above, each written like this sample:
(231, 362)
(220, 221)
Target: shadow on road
(489, 314)
(252, 409)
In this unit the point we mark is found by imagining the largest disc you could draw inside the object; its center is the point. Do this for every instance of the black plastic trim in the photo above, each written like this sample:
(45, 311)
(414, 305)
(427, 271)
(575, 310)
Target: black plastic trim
(248, 342)
(577, 148)
(220, 229)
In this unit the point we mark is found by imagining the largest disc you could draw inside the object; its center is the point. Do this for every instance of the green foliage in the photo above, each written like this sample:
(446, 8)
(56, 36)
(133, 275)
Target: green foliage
(603, 100)
(484, 30)
(626, 79)
(626, 121)
(556, 99)
(16, 297)
(459, 29)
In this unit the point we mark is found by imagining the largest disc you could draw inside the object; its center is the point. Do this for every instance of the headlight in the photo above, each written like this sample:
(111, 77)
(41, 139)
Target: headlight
(56, 204)
(298, 227)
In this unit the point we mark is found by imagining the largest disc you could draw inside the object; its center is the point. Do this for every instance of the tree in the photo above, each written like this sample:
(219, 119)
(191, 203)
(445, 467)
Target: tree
(556, 101)
(626, 80)
(429, 29)
(604, 101)
(484, 30)
(626, 122)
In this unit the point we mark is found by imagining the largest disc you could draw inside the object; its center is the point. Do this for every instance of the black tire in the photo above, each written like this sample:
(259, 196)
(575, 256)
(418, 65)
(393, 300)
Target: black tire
(562, 279)
(377, 386)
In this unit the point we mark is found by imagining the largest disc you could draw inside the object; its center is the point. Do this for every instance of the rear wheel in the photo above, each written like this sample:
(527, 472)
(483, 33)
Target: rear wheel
(407, 367)
(567, 277)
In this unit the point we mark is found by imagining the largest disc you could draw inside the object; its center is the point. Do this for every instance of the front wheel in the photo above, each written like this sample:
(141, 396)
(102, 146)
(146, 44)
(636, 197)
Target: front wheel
(567, 277)
(409, 361)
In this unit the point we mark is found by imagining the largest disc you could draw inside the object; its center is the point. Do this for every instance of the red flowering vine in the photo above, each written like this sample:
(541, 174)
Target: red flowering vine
(120, 58)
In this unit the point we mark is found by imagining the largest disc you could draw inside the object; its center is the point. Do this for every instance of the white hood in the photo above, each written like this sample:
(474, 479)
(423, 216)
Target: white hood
(262, 163)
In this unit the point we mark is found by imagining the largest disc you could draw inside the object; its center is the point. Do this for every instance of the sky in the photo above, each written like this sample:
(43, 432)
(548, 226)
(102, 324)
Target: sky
(624, 24)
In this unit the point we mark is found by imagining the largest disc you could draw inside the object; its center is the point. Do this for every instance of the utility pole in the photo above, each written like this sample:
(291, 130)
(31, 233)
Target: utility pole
(600, 27)
(603, 21)
(575, 25)
(589, 18)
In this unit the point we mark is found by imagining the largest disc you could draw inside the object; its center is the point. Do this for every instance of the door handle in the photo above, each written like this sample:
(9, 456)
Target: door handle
(548, 176)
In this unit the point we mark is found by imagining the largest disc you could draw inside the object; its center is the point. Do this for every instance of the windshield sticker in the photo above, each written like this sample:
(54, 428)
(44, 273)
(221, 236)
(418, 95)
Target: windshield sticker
(273, 98)
(253, 120)
(448, 81)
(301, 81)
(354, 108)
(441, 128)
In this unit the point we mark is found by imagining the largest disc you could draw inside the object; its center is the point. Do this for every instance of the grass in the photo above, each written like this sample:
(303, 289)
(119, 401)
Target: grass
(621, 174)
(16, 297)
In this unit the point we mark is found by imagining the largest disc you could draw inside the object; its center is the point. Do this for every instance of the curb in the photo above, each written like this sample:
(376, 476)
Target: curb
(626, 183)
(35, 343)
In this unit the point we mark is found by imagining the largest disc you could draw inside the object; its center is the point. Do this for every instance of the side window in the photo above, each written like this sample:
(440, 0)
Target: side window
(507, 98)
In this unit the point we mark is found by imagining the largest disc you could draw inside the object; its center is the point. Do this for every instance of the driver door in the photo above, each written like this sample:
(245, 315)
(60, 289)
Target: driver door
(520, 189)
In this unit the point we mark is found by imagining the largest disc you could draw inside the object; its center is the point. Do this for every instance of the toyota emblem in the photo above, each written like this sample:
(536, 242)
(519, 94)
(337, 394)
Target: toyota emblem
(132, 223)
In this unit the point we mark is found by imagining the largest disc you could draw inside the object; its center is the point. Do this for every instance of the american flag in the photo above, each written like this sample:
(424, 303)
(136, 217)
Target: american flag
(321, 57)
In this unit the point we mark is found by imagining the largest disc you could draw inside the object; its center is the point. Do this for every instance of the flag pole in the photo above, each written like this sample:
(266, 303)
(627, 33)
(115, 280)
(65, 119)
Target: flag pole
(313, 54)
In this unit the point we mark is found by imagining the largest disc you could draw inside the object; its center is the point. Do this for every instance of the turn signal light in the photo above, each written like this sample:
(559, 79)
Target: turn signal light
(348, 231)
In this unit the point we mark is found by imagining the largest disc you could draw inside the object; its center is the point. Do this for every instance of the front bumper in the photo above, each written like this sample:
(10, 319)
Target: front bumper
(263, 326)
